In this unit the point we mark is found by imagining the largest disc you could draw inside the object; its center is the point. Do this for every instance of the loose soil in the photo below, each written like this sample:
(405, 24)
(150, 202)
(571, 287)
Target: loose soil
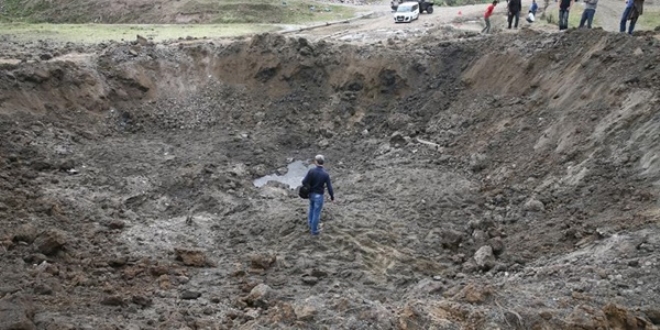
(500, 182)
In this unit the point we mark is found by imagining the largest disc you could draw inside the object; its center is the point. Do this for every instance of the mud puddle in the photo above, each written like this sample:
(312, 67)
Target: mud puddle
(295, 173)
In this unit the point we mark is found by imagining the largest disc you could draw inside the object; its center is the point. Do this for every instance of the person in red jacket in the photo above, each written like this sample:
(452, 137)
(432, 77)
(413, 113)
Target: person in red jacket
(489, 12)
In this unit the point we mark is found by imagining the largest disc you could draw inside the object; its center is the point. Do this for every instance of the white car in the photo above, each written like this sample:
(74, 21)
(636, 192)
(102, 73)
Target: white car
(406, 12)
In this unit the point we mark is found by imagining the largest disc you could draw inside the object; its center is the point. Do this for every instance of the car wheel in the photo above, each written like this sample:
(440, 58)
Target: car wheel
(429, 10)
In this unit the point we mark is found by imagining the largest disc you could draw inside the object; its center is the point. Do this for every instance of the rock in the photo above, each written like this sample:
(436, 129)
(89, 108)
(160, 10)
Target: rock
(484, 257)
(132, 52)
(190, 295)
(497, 244)
(252, 314)
(479, 236)
(112, 301)
(259, 295)
(182, 279)
(475, 294)
(142, 301)
(159, 270)
(305, 312)
(469, 267)
(192, 257)
(35, 258)
(43, 289)
(25, 233)
(478, 162)
(115, 224)
(46, 56)
(50, 241)
(118, 261)
(619, 317)
(546, 314)
(310, 280)
(534, 205)
(451, 239)
(262, 261)
(142, 41)
(397, 138)
(16, 313)
(653, 313)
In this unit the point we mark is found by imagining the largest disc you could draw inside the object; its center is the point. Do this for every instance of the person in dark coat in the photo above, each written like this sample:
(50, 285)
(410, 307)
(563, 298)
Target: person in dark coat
(514, 7)
(634, 9)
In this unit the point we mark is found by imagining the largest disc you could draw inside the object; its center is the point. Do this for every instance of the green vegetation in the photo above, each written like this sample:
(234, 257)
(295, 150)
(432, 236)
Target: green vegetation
(574, 16)
(187, 11)
(95, 33)
(650, 19)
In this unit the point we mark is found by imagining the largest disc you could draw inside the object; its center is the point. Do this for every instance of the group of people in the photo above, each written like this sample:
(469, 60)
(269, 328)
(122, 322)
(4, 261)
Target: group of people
(633, 10)
(514, 7)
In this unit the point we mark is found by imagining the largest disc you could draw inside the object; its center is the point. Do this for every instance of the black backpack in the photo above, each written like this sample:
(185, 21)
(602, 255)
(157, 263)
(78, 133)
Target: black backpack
(303, 191)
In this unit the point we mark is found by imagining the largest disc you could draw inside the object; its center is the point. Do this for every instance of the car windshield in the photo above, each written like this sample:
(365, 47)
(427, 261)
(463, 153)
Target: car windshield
(404, 9)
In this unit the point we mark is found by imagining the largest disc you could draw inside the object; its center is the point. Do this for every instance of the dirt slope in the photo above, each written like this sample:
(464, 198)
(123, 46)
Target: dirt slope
(487, 183)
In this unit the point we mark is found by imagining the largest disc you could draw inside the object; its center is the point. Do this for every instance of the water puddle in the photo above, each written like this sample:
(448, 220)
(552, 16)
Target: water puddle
(293, 177)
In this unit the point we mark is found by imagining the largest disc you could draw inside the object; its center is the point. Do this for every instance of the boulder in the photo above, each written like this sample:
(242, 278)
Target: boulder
(25, 233)
(259, 296)
(51, 241)
(263, 260)
(397, 138)
(190, 295)
(497, 244)
(305, 312)
(112, 301)
(451, 239)
(653, 313)
(192, 257)
(484, 257)
(534, 205)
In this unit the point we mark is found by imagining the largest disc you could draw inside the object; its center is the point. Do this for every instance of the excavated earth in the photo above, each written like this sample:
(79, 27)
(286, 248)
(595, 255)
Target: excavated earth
(503, 182)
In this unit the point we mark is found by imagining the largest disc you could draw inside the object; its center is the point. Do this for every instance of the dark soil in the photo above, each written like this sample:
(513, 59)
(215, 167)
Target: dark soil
(488, 183)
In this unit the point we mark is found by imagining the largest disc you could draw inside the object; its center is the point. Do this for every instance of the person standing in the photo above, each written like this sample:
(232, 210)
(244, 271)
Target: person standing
(489, 12)
(317, 179)
(634, 9)
(514, 7)
(564, 8)
(589, 12)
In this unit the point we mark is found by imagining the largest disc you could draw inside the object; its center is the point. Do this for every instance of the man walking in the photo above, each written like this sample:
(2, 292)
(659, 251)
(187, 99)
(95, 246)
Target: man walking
(514, 7)
(317, 179)
(589, 12)
(489, 12)
(564, 8)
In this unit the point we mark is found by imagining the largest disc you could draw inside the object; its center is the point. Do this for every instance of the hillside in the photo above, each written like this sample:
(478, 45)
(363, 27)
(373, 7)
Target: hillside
(171, 11)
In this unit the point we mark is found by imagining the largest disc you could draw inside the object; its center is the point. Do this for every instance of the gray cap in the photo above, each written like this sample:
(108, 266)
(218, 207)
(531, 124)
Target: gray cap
(319, 159)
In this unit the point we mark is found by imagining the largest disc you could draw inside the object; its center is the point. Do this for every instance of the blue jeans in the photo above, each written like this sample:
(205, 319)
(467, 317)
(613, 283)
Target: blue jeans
(624, 18)
(314, 216)
(587, 17)
(563, 19)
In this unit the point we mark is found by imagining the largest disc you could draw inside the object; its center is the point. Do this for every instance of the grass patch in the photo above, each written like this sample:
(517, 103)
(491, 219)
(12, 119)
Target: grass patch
(650, 19)
(182, 11)
(95, 33)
